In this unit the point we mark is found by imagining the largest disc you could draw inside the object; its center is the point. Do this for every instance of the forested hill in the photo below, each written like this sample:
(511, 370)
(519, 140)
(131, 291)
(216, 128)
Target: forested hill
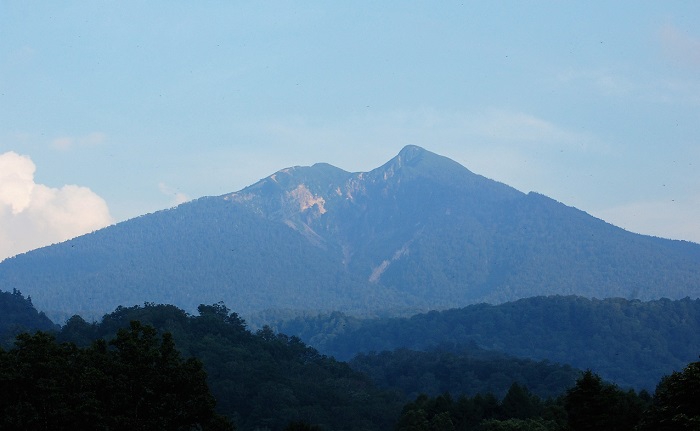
(260, 380)
(17, 314)
(139, 375)
(420, 232)
(632, 343)
(267, 379)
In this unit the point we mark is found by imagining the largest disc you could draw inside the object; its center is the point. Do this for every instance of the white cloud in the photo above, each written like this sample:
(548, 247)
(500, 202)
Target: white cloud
(16, 181)
(34, 215)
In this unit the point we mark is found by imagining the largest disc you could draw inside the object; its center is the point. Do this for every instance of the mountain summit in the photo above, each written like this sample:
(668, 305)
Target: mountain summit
(420, 232)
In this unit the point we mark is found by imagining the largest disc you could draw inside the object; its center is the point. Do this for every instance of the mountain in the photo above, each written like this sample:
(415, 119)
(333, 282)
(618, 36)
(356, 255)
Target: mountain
(420, 232)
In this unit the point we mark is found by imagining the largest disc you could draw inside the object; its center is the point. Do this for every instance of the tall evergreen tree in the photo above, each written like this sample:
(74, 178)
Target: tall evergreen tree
(596, 405)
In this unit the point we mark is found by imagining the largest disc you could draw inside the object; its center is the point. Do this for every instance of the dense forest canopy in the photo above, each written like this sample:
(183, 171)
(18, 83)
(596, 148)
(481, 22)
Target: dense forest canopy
(590, 404)
(137, 381)
(260, 380)
(158, 367)
(467, 371)
(630, 342)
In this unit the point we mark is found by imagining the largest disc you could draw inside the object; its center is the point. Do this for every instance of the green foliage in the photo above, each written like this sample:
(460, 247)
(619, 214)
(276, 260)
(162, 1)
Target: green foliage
(595, 405)
(132, 375)
(519, 410)
(260, 380)
(519, 403)
(631, 343)
(591, 404)
(676, 403)
(171, 393)
(467, 370)
(137, 381)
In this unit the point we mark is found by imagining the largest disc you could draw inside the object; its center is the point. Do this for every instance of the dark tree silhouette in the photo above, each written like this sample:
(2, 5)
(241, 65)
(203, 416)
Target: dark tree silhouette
(138, 381)
(676, 403)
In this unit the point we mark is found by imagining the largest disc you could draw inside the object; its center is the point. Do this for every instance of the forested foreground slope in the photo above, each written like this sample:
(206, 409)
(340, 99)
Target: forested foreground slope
(136, 381)
(260, 380)
(139, 368)
(632, 343)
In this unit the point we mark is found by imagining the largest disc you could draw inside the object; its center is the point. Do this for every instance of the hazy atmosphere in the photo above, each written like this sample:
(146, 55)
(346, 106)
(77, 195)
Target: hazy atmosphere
(110, 110)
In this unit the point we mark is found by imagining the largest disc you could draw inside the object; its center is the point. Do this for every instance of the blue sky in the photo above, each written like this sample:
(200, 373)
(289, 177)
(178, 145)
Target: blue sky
(110, 110)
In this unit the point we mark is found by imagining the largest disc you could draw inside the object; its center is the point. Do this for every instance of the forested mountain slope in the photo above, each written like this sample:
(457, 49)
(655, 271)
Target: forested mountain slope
(631, 343)
(418, 233)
